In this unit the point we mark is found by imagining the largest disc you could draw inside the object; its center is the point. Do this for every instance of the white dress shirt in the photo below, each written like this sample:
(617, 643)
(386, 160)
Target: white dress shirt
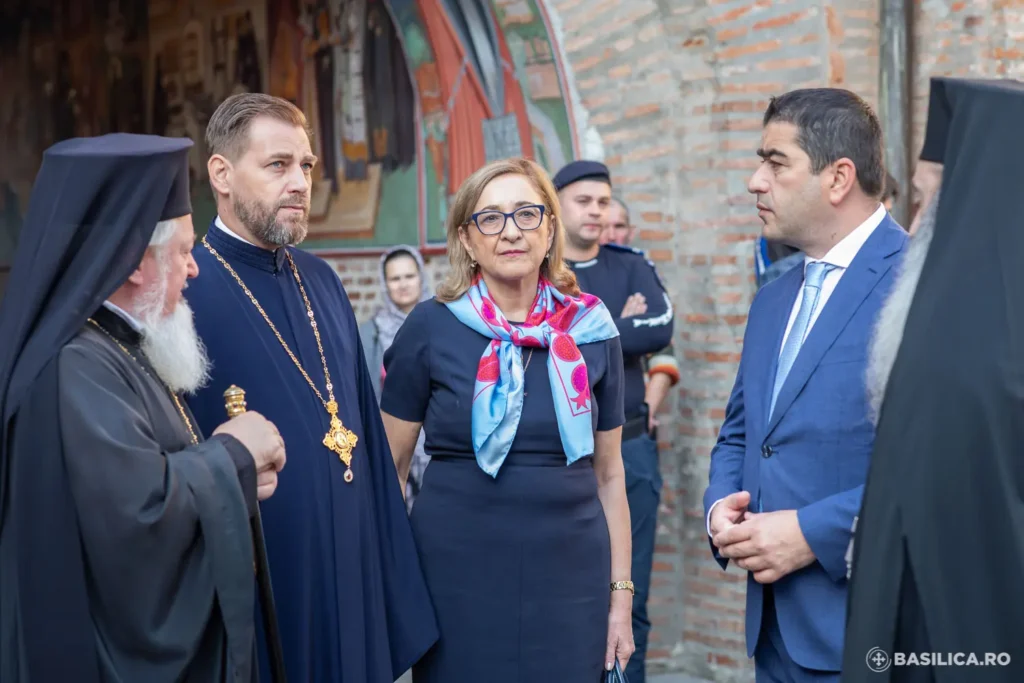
(840, 256)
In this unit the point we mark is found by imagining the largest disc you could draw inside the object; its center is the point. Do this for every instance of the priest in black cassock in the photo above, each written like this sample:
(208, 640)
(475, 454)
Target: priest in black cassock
(125, 552)
(938, 556)
(351, 600)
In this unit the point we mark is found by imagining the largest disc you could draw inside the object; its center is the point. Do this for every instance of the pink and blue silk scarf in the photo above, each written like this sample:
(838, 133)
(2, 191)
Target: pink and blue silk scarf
(557, 322)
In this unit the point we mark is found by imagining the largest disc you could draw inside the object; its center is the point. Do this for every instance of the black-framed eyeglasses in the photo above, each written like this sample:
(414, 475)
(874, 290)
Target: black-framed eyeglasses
(492, 222)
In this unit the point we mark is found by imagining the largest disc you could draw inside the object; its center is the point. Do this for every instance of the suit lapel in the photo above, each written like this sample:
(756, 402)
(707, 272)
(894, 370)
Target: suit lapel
(764, 357)
(867, 268)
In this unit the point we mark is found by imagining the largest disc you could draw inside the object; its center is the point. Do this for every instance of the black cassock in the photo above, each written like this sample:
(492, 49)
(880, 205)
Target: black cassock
(124, 548)
(938, 563)
(164, 525)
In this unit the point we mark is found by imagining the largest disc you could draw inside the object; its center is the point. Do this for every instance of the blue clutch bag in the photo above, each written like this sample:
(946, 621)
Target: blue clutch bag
(615, 675)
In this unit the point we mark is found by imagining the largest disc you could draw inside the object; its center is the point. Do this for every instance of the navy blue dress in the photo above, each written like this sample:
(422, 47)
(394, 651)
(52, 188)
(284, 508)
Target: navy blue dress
(518, 566)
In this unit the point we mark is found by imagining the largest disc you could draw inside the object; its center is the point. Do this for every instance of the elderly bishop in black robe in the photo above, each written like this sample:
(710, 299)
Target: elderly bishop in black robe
(125, 552)
(937, 581)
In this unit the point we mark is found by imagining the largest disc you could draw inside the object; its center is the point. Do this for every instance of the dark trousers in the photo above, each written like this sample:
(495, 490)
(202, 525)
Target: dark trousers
(643, 490)
(772, 663)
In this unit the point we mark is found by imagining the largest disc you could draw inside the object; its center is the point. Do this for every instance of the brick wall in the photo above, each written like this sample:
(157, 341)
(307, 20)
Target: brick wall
(676, 91)
(671, 92)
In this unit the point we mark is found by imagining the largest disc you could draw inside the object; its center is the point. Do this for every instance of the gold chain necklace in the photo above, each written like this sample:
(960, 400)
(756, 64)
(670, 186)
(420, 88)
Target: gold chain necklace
(174, 397)
(338, 439)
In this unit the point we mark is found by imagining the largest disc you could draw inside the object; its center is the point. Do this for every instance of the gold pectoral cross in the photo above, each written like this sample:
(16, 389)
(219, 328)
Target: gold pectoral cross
(340, 440)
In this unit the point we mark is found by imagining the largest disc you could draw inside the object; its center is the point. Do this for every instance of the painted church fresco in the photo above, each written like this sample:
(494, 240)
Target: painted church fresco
(405, 97)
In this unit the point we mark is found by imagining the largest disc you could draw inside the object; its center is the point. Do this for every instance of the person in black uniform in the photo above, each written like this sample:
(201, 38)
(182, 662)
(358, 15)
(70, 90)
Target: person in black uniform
(627, 283)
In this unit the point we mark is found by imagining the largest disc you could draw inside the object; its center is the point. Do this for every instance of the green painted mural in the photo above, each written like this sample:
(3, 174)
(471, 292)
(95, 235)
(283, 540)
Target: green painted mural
(406, 98)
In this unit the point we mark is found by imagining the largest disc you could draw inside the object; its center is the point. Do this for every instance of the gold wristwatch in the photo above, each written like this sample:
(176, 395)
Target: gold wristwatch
(623, 586)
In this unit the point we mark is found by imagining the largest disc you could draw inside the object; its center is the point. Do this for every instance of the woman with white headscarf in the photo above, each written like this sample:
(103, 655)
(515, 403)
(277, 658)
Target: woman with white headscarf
(403, 284)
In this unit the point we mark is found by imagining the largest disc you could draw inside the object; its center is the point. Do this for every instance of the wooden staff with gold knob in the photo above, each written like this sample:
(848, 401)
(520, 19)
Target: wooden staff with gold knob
(234, 403)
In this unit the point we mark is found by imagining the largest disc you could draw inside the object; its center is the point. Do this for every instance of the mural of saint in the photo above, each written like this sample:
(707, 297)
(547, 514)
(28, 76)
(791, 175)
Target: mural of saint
(350, 97)
(320, 76)
(286, 57)
(474, 67)
(247, 56)
(405, 98)
(390, 100)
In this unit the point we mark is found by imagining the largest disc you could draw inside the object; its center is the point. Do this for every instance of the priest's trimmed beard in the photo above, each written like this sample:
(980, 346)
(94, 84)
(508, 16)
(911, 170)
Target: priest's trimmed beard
(888, 332)
(261, 220)
(170, 342)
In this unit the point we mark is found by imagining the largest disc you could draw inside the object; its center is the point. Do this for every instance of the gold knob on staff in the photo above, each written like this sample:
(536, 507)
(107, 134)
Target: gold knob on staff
(234, 400)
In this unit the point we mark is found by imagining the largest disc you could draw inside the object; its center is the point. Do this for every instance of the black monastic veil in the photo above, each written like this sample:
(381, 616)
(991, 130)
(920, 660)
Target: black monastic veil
(939, 549)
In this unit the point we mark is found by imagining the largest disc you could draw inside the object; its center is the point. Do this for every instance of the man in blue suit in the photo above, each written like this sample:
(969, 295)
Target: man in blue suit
(788, 471)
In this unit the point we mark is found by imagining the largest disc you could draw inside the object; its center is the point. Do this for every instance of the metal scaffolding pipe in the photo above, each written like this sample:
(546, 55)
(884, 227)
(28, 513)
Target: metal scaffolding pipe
(895, 109)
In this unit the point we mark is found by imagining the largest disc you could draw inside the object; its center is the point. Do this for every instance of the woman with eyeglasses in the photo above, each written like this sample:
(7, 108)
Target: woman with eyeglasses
(515, 376)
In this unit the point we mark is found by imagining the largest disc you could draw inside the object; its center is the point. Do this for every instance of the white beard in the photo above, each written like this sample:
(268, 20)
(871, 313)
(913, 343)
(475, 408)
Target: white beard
(171, 343)
(888, 333)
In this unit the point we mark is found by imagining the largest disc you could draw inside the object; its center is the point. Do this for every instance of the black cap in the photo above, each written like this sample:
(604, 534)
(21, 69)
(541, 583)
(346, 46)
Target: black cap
(94, 207)
(940, 111)
(124, 154)
(576, 171)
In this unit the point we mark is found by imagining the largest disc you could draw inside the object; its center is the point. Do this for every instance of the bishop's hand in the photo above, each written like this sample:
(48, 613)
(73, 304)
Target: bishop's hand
(261, 438)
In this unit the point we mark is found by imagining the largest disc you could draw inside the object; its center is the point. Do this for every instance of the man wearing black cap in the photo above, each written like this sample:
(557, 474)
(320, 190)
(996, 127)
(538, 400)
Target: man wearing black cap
(125, 552)
(629, 286)
(936, 588)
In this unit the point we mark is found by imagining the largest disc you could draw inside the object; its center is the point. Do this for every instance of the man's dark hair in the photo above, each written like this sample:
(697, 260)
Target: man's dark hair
(892, 188)
(831, 124)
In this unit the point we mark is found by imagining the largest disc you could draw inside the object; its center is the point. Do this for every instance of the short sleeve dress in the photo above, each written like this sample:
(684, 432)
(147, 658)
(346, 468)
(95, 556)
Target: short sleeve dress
(519, 565)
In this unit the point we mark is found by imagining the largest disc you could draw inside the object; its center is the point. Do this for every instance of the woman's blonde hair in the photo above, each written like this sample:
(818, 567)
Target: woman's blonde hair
(463, 270)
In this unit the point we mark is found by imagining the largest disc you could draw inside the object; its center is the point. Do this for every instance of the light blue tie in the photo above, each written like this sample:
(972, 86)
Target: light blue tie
(813, 277)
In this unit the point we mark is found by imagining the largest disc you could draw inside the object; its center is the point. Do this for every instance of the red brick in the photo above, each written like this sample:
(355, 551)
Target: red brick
(731, 15)
(731, 33)
(641, 110)
(837, 69)
(833, 24)
(622, 71)
(743, 50)
(655, 235)
(791, 63)
(660, 255)
(779, 22)
(740, 106)
(805, 40)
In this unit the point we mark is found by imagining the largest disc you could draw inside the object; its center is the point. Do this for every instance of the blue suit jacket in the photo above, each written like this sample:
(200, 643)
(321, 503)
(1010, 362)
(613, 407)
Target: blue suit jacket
(813, 455)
